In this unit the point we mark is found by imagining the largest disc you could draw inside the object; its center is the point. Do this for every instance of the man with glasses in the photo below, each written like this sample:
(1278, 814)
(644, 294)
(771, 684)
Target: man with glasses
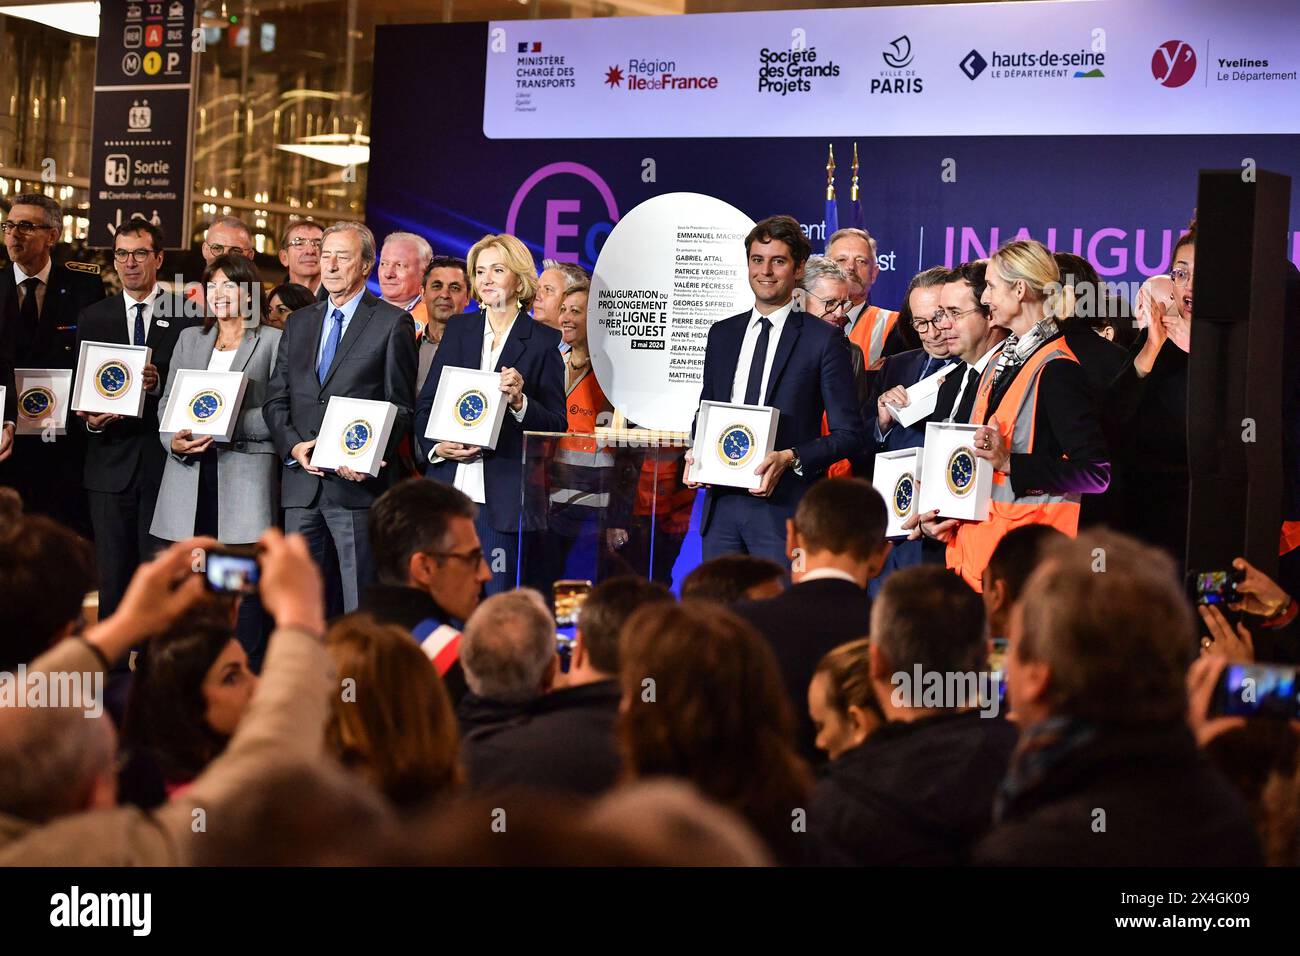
(227, 235)
(826, 296)
(970, 337)
(300, 254)
(39, 303)
(430, 569)
(124, 459)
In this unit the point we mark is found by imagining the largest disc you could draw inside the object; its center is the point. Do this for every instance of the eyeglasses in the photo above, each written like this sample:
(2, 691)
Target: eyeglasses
(831, 305)
(1181, 276)
(218, 250)
(23, 227)
(139, 255)
(472, 558)
(299, 243)
(940, 317)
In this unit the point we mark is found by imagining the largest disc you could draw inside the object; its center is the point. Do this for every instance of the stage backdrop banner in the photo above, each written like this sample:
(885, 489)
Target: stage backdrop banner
(1103, 67)
(670, 269)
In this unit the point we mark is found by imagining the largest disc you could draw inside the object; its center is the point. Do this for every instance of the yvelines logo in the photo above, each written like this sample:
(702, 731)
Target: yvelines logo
(1173, 63)
(655, 75)
(973, 64)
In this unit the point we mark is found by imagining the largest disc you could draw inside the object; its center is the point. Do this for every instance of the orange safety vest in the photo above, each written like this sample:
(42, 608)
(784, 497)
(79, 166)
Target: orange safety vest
(1290, 537)
(585, 403)
(971, 547)
(870, 332)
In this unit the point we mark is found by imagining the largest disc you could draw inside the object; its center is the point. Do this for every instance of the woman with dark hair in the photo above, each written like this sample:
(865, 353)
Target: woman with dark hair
(394, 724)
(227, 490)
(284, 299)
(189, 692)
(703, 700)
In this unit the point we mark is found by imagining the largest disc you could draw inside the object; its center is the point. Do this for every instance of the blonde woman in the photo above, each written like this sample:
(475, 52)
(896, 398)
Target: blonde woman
(1040, 430)
(502, 338)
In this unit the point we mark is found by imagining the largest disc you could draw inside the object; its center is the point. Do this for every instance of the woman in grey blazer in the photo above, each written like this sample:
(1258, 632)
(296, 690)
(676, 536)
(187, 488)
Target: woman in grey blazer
(229, 490)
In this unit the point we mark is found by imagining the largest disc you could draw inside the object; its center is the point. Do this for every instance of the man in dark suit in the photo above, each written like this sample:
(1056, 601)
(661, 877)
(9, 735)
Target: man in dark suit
(39, 304)
(124, 459)
(834, 558)
(972, 339)
(501, 338)
(775, 356)
(355, 346)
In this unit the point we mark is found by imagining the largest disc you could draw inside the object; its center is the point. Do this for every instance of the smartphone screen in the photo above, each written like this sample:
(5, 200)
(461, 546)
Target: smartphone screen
(567, 598)
(231, 573)
(1216, 587)
(1258, 690)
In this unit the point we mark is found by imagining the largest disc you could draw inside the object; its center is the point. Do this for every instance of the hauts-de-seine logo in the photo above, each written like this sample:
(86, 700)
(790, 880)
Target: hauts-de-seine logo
(1173, 63)
(904, 494)
(735, 446)
(206, 405)
(113, 379)
(973, 64)
(357, 437)
(470, 408)
(897, 78)
(650, 74)
(961, 471)
(36, 402)
(1047, 63)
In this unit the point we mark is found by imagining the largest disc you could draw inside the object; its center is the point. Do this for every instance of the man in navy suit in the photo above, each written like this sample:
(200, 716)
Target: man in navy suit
(124, 460)
(900, 371)
(776, 356)
(500, 338)
(355, 346)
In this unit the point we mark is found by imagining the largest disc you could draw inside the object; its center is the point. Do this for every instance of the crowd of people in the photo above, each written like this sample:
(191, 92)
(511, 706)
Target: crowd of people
(392, 689)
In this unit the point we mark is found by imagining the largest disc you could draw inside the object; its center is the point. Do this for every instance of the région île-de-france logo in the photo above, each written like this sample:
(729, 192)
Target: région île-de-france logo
(1173, 63)
(643, 74)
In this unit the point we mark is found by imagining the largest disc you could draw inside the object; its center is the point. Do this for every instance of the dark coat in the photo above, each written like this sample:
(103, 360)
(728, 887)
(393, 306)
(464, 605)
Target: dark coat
(916, 793)
(563, 741)
(408, 607)
(801, 625)
(1165, 805)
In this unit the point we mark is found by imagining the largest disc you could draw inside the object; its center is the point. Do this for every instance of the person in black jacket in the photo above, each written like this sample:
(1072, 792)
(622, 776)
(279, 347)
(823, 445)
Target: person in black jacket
(40, 300)
(836, 542)
(1107, 772)
(431, 570)
(124, 460)
(919, 791)
(564, 740)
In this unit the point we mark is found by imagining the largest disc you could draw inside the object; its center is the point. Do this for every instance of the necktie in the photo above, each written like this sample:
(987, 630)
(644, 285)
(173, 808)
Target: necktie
(138, 336)
(925, 370)
(967, 404)
(755, 383)
(29, 314)
(331, 344)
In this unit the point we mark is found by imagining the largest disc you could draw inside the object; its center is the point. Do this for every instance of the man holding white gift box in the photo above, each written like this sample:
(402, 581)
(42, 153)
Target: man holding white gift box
(124, 461)
(354, 346)
(775, 356)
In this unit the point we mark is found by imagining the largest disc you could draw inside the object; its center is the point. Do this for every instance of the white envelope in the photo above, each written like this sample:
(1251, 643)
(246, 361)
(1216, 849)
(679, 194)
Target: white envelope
(43, 397)
(953, 479)
(110, 379)
(730, 442)
(921, 398)
(354, 433)
(468, 407)
(897, 477)
(207, 403)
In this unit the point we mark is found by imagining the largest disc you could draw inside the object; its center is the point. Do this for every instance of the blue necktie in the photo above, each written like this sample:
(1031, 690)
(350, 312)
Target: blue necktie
(926, 370)
(752, 396)
(331, 344)
(138, 336)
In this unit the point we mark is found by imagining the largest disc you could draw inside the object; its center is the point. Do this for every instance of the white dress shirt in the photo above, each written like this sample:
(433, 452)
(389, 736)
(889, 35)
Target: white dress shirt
(148, 303)
(741, 379)
(817, 574)
(979, 366)
(469, 474)
(44, 275)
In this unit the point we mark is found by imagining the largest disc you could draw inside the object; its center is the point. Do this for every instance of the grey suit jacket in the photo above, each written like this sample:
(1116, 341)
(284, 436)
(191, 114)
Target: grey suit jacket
(248, 470)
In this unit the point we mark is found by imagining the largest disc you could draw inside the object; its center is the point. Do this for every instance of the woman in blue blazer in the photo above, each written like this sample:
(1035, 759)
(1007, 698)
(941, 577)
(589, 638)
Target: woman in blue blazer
(501, 337)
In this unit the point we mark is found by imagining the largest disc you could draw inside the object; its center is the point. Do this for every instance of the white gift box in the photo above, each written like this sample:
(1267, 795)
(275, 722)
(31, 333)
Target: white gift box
(468, 407)
(207, 403)
(43, 397)
(730, 442)
(921, 398)
(110, 379)
(897, 477)
(953, 479)
(354, 434)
